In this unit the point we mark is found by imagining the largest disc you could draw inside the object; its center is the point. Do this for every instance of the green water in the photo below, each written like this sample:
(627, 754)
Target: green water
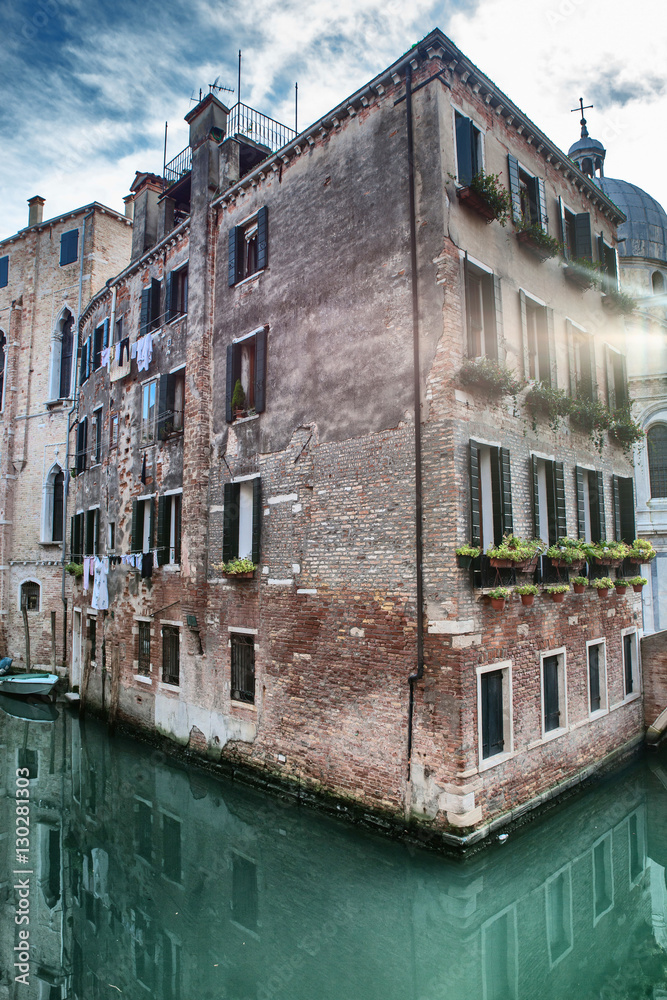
(147, 880)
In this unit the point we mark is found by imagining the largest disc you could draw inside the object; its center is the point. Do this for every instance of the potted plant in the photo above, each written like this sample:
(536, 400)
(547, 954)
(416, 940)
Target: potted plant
(239, 569)
(238, 399)
(527, 593)
(542, 400)
(567, 553)
(637, 583)
(487, 196)
(617, 301)
(641, 551)
(620, 586)
(603, 585)
(74, 569)
(606, 553)
(581, 271)
(592, 417)
(490, 375)
(557, 592)
(516, 553)
(579, 584)
(534, 238)
(465, 555)
(624, 430)
(498, 597)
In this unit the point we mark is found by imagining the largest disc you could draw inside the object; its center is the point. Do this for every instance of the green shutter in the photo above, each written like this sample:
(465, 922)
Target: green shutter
(561, 507)
(105, 340)
(262, 238)
(178, 500)
(163, 527)
(165, 417)
(155, 303)
(524, 333)
(169, 310)
(144, 319)
(624, 509)
(469, 326)
(230, 522)
(602, 527)
(151, 522)
(260, 370)
(475, 496)
(506, 491)
(551, 347)
(136, 543)
(515, 190)
(534, 474)
(464, 144)
(543, 218)
(567, 250)
(256, 518)
(581, 504)
(72, 539)
(233, 373)
(234, 261)
(615, 495)
(583, 243)
(90, 532)
(498, 302)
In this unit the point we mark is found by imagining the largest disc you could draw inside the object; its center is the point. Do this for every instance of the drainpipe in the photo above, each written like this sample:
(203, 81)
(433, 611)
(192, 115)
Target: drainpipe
(74, 409)
(419, 673)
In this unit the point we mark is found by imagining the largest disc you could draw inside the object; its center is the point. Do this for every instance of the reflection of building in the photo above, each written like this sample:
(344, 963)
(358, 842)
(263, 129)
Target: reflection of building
(46, 272)
(642, 251)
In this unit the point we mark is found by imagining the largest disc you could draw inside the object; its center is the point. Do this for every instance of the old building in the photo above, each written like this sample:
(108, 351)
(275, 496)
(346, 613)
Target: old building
(329, 346)
(46, 272)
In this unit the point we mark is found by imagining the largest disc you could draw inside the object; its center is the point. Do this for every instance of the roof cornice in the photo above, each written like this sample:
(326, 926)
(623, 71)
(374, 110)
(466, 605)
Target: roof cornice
(47, 223)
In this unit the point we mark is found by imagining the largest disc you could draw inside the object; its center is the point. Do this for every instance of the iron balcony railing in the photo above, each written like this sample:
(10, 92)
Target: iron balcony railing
(242, 120)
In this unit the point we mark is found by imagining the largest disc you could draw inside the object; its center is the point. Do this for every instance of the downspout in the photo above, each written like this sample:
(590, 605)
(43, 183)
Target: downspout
(75, 406)
(419, 673)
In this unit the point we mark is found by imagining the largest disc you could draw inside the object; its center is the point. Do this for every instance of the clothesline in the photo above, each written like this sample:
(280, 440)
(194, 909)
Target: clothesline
(141, 349)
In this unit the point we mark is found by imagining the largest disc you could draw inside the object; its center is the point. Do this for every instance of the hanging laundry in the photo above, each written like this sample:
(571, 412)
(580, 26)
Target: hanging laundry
(144, 352)
(105, 357)
(124, 349)
(147, 564)
(86, 572)
(100, 598)
(133, 350)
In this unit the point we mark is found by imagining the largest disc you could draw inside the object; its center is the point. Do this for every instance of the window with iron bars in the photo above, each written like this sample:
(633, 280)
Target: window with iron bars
(144, 657)
(170, 654)
(243, 667)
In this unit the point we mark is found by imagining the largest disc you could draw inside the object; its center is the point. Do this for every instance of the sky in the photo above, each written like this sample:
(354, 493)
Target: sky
(87, 86)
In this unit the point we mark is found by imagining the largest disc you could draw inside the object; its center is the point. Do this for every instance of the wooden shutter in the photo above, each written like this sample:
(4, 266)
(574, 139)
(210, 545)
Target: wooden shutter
(262, 238)
(552, 527)
(551, 708)
(611, 377)
(163, 527)
(83, 374)
(627, 662)
(464, 149)
(567, 250)
(233, 373)
(234, 259)
(256, 518)
(97, 532)
(534, 475)
(543, 218)
(90, 532)
(594, 677)
(468, 305)
(165, 416)
(155, 303)
(169, 309)
(505, 491)
(4, 271)
(72, 539)
(623, 493)
(69, 243)
(551, 348)
(523, 310)
(498, 302)
(145, 311)
(260, 370)
(596, 492)
(230, 522)
(475, 496)
(515, 189)
(583, 243)
(136, 544)
(178, 500)
(105, 336)
(492, 713)
(581, 501)
(148, 504)
(572, 358)
(561, 507)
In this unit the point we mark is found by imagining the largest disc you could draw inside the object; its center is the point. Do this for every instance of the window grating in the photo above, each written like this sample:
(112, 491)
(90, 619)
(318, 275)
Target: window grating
(657, 459)
(170, 654)
(144, 657)
(243, 668)
(30, 596)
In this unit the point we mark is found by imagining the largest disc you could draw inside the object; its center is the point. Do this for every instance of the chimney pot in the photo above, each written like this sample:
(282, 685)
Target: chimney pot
(129, 206)
(35, 210)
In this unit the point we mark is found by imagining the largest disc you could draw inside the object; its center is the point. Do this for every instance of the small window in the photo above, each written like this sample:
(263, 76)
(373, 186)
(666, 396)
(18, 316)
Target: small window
(583, 374)
(171, 403)
(150, 307)
(494, 711)
(81, 445)
(97, 437)
(111, 536)
(69, 247)
(608, 264)
(142, 525)
(99, 343)
(58, 507)
(468, 149)
(243, 667)
(630, 664)
(528, 195)
(248, 247)
(576, 233)
(656, 444)
(554, 692)
(170, 654)
(617, 380)
(590, 504)
(171, 848)
(27, 759)
(63, 356)
(4, 271)
(113, 430)
(169, 530)
(482, 306)
(30, 596)
(148, 411)
(537, 323)
(144, 651)
(246, 363)
(77, 533)
(242, 520)
(177, 293)
(623, 488)
(657, 282)
(245, 896)
(597, 676)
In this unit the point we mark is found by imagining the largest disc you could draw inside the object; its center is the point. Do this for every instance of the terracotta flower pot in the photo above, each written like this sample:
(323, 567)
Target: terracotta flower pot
(602, 591)
(475, 201)
(620, 590)
(527, 599)
(498, 603)
(579, 588)
(558, 598)
(248, 575)
(608, 561)
(502, 563)
(637, 587)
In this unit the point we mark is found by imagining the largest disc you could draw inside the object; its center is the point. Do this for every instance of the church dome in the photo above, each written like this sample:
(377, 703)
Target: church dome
(644, 234)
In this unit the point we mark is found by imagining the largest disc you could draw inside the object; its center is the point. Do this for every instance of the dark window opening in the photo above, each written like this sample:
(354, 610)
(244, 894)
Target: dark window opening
(243, 667)
(112, 535)
(169, 529)
(98, 345)
(623, 488)
(657, 283)
(30, 596)
(92, 635)
(69, 247)
(492, 713)
(4, 271)
(77, 537)
(656, 442)
(177, 293)
(97, 432)
(590, 505)
(171, 403)
(150, 317)
(245, 895)
(607, 259)
(170, 654)
(249, 247)
(468, 149)
(144, 654)
(66, 358)
(529, 206)
(3, 361)
(549, 508)
(58, 508)
(92, 540)
(551, 701)
(629, 665)
(594, 677)
(27, 758)
(529, 194)
(81, 445)
(242, 518)
(142, 525)
(143, 829)
(246, 363)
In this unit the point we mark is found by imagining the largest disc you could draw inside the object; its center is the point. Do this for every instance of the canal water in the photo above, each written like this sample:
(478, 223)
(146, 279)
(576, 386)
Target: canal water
(143, 879)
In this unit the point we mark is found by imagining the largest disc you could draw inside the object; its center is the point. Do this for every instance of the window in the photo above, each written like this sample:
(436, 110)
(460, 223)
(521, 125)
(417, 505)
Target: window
(113, 430)
(170, 654)
(575, 233)
(494, 711)
(97, 437)
(597, 676)
(539, 348)
(529, 204)
(69, 247)
(100, 341)
(142, 524)
(92, 635)
(246, 361)
(148, 400)
(177, 293)
(169, 529)
(245, 897)
(590, 504)
(549, 512)
(554, 691)
(657, 282)
(84, 365)
(144, 648)
(62, 356)
(490, 494)
(52, 508)
(583, 375)
(249, 247)
(28, 759)
(150, 307)
(4, 271)
(171, 403)
(143, 829)
(243, 667)
(111, 535)
(617, 380)
(656, 444)
(468, 149)
(242, 520)
(30, 595)
(603, 878)
(609, 262)
(483, 311)
(92, 546)
(81, 445)
(623, 491)
(630, 662)
(558, 891)
(171, 848)
(3, 365)
(144, 950)
(77, 536)
(118, 333)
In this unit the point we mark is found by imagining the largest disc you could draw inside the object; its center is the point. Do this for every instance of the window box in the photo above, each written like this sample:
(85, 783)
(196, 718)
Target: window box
(475, 201)
(562, 564)
(537, 244)
(248, 575)
(578, 275)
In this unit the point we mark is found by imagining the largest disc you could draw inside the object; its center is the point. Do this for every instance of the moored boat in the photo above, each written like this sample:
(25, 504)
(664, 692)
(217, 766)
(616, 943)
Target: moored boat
(28, 684)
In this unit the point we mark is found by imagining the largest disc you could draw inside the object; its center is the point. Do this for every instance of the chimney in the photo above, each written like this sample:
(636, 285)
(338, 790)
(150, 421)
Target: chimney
(146, 189)
(35, 210)
(129, 206)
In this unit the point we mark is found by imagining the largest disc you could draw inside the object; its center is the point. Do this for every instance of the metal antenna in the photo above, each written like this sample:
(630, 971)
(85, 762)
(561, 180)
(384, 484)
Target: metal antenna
(581, 109)
(296, 107)
(164, 158)
(238, 90)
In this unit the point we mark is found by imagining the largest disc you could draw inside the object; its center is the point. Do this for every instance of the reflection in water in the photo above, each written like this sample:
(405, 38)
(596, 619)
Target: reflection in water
(170, 884)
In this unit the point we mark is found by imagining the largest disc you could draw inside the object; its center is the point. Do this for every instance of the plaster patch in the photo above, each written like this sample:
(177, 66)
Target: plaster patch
(283, 498)
(451, 626)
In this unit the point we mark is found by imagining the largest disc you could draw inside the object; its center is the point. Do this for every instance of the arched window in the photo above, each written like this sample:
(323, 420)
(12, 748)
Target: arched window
(657, 283)
(30, 595)
(3, 359)
(62, 355)
(52, 508)
(656, 442)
